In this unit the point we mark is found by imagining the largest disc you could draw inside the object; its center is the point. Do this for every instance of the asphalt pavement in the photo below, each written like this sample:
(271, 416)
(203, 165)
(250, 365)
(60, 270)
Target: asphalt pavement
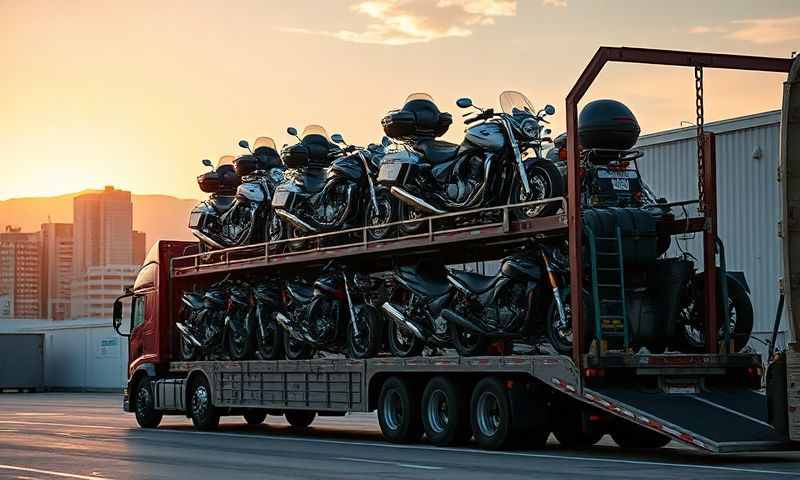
(88, 436)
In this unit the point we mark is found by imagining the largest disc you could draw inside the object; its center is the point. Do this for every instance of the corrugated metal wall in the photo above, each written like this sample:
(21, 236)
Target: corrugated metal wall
(748, 202)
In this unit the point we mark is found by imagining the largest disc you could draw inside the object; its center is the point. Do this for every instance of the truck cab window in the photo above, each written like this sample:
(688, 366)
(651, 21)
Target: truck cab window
(138, 312)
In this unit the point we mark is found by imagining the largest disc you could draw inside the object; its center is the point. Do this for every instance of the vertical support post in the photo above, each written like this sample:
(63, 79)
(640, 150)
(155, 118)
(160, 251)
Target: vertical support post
(709, 180)
(575, 231)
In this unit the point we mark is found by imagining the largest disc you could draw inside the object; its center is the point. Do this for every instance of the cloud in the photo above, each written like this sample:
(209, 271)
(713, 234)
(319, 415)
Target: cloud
(403, 22)
(761, 31)
(554, 3)
(765, 31)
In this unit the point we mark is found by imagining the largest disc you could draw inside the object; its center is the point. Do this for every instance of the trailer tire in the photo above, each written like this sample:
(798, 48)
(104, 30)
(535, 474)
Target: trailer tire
(255, 416)
(204, 415)
(568, 429)
(630, 436)
(146, 414)
(300, 418)
(399, 411)
(490, 415)
(445, 412)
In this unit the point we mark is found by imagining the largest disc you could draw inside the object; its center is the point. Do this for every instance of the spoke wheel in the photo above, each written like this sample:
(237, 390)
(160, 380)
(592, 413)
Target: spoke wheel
(240, 340)
(386, 213)
(405, 213)
(364, 341)
(402, 343)
(295, 349)
(269, 336)
(546, 182)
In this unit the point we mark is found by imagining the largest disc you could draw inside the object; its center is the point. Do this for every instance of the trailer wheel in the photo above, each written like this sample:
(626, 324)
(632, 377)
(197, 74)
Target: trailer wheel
(630, 436)
(399, 412)
(490, 414)
(445, 412)
(300, 418)
(255, 416)
(205, 416)
(146, 414)
(568, 429)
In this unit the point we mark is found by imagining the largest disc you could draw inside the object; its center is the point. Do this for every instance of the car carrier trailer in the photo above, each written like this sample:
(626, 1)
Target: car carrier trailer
(709, 401)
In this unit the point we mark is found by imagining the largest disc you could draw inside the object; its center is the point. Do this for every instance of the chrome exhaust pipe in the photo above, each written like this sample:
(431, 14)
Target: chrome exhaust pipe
(417, 202)
(207, 240)
(453, 317)
(295, 220)
(284, 322)
(402, 322)
(185, 332)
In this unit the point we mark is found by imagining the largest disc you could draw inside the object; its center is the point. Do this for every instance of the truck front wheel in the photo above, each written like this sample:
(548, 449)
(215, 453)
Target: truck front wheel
(205, 415)
(146, 414)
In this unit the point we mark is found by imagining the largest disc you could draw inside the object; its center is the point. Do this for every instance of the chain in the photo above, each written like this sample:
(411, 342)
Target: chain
(698, 85)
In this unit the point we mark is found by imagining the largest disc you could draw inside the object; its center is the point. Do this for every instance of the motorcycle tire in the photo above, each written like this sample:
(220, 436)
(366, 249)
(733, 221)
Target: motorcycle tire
(368, 341)
(387, 213)
(269, 340)
(406, 213)
(546, 181)
(295, 349)
(240, 345)
(403, 344)
(467, 343)
(187, 350)
(741, 319)
(562, 345)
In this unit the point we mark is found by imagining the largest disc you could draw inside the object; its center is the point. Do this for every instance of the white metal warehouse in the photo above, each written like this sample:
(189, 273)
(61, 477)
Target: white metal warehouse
(748, 200)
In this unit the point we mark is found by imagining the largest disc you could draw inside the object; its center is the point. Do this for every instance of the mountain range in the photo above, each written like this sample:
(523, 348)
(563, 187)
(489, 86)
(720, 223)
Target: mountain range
(159, 216)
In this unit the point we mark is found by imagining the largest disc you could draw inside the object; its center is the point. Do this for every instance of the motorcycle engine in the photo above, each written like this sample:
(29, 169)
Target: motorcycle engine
(508, 312)
(322, 318)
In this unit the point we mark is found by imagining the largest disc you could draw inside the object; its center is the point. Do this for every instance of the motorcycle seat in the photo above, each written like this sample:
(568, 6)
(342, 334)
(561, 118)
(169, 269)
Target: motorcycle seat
(437, 151)
(312, 180)
(425, 283)
(222, 203)
(476, 283)
(194, 299)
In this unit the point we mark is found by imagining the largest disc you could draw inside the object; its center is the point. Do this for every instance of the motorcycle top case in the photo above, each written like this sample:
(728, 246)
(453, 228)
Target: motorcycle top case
(607, 124)
(223, 179)
(247, 164)
(637, 229)
(418, 118)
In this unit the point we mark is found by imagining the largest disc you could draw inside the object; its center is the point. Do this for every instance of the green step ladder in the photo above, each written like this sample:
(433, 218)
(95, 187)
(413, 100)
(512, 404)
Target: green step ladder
(608, 288)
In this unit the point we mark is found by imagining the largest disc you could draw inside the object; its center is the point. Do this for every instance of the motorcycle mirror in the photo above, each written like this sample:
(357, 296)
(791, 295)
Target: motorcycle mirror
(464, 102)
(207, 162)
(385, 142)
(292, 131)
(549, 109)
(244, 144)
(547, 131)
(337, 138)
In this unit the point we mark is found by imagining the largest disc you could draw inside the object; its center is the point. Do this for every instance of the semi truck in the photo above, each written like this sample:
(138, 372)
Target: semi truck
(716, 400)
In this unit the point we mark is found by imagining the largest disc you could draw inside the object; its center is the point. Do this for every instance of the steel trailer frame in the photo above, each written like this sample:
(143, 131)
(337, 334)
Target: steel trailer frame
(706, 168)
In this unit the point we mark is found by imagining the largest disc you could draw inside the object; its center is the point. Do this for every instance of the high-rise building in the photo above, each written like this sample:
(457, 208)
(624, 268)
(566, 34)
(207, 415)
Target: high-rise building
(19, 274)
(94, 291)
(139, 247)
(56, 270)
(103, 222)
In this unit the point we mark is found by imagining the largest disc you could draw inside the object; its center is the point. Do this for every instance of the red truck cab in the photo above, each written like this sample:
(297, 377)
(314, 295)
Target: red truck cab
(149, 324)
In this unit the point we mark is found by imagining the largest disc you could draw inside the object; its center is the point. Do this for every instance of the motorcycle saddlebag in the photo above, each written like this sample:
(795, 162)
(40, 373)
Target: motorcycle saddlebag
(637, 228)
(245, 165)
(295, 156)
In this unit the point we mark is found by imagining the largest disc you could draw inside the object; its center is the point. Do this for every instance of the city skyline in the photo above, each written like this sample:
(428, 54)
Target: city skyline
(107, 96)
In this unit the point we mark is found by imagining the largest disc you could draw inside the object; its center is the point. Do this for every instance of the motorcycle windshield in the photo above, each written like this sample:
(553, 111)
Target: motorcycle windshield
(514, 102)
(264, 142)
(314, 130)
(419, 96)
(225, 160)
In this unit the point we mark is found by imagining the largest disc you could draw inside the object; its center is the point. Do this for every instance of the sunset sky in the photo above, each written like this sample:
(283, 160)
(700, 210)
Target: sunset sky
(135, 94)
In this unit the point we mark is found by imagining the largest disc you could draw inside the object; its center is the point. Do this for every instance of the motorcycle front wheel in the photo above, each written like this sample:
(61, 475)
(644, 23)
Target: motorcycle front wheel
(385, 213)
(269, 339)
(295, 349)
(403, 344)
(188, 351)
(545, 181)
(240, 341)
(405, 214)
(560, 336)
(366, 342)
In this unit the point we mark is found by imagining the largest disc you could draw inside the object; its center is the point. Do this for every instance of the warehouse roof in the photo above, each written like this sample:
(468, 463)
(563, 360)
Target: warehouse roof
(732, 124)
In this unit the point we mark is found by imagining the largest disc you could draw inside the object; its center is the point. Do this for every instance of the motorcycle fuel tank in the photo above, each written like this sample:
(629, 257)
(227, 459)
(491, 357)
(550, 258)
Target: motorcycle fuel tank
(350, 167)
(487, 136)
(250, 191)
(522, 269)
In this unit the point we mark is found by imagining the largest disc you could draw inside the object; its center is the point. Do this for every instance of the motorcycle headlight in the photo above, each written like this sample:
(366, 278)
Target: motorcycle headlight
(362, 281)
(529, 128)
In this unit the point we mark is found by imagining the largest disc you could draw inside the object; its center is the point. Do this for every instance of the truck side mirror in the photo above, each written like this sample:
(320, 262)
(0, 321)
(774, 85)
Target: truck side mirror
(117, 318)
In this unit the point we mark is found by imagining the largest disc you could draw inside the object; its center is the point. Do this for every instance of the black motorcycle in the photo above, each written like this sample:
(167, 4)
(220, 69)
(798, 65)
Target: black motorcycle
(201, 331)
(485, 309)
(418, 296)
(334, 314)
(267, 296)
(489, 168)
(244, 218)
(332, 188)
(205, 220)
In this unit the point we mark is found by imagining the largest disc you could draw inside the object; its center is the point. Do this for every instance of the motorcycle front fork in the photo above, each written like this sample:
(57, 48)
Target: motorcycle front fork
(552, 279)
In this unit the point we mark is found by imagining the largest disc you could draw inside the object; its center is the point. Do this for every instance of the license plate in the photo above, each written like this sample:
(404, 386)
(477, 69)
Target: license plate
(620, 184)
(280, 199)
(390, 172)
